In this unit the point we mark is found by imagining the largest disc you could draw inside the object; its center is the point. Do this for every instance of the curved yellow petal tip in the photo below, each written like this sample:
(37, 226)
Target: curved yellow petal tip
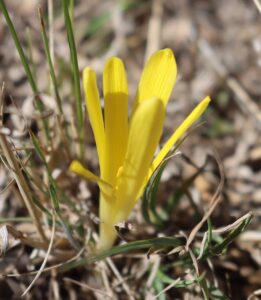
(86, 74)
(158, 77)
(200, 108)
(167, 52)
(86, 71)
(74, 166)
(114, 77)
(187, 123)
(206, 100)
(78, 168)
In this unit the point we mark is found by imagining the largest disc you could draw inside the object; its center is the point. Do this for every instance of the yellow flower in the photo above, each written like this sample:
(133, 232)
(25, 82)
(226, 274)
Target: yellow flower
(126, 146)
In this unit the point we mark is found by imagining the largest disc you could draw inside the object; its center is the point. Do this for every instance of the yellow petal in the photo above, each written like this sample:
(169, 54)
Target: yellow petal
(115, 89)
(158, 77)
(92, 101)
(191, 118)
(145, 131)
(79, 169)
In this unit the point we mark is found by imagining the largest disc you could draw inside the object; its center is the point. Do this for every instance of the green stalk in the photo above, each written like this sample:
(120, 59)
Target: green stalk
(26, 66)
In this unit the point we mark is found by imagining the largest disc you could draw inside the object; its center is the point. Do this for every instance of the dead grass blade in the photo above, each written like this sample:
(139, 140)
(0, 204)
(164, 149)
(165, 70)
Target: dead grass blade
(2, 104)
(4, 241)
(18, 175)
(48, 269)
(258, 5)
(254, 295)
(22, 184)
(18, 235)
(87, 287)
(170, 286)
(46, 257)
(244, 101)
(213, 203)
(154, 29)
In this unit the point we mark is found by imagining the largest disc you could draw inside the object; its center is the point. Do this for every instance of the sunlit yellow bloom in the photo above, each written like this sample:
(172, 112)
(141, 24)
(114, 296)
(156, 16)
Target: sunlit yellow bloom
(126, 146)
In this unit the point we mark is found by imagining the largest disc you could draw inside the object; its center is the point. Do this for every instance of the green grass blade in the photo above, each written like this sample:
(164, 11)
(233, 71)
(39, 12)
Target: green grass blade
(149, 199)
(38, 149)
(15, 220)
(218, 249)
(30, 52)
(165, 242)
(50, 62)
(74, 64)
(71, 11)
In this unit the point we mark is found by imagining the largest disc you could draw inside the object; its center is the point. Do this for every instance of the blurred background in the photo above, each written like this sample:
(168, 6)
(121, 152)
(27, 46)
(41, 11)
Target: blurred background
(217, 45)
